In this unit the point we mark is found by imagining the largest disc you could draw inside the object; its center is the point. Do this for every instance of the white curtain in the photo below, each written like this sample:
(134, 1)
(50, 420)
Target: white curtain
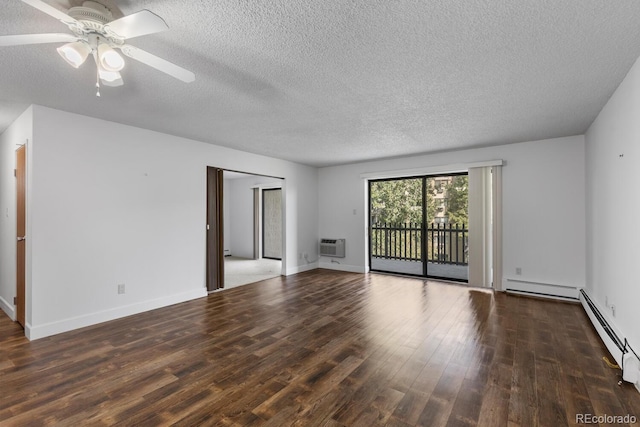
(496, 211)
(485, 234)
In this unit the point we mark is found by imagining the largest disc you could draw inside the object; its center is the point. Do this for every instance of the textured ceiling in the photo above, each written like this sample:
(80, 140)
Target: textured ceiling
(339, 81)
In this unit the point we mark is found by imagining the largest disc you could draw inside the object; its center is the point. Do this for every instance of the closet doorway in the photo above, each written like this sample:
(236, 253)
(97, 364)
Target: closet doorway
(242, 258)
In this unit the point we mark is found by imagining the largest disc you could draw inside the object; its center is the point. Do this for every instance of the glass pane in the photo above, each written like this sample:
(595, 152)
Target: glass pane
(448, 227)
(396, 210)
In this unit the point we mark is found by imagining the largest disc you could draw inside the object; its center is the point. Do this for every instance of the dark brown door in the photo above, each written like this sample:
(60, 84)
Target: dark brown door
(215, 230)
(21, 158)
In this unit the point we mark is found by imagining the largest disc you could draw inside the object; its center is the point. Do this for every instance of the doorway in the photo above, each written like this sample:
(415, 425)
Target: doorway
(243, 258)
(420, 226)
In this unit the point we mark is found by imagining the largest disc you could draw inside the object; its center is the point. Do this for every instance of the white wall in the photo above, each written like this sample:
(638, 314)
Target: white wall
(17, 134)
(543, 206)
(116, 204)
(241, 212)
(613, 208)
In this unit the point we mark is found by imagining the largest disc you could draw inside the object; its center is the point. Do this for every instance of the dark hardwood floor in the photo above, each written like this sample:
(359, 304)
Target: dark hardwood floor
(319, 348)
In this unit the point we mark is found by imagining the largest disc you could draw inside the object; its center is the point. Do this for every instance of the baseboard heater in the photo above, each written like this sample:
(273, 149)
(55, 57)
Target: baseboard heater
(540, 289)
(624, 355)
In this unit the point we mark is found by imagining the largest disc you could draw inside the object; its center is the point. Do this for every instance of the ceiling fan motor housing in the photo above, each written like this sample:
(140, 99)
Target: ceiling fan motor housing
(93, 16)
(91, 11)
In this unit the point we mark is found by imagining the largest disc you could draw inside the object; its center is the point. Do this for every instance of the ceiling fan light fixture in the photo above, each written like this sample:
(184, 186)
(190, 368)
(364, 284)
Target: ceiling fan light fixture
(108, 76)
(75, 53)
(109, 58)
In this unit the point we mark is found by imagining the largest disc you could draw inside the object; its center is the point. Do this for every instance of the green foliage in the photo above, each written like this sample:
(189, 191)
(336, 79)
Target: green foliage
(458, 200)
(431, 206)
(399, 201)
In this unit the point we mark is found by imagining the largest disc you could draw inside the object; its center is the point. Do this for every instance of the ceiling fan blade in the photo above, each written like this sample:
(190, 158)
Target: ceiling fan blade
(137, 24)
(23, 39)
(158, 63)
(51, 11)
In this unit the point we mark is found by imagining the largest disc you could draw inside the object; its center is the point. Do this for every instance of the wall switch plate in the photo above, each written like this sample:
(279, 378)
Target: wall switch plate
(121, 289)
(518, 271)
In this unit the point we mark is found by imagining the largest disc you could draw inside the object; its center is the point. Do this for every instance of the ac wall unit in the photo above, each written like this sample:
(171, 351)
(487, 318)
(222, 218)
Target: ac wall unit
(332, 247)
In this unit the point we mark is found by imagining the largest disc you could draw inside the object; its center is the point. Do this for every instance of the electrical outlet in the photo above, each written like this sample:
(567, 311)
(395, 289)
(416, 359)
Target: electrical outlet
(518, 271)
(121, 289)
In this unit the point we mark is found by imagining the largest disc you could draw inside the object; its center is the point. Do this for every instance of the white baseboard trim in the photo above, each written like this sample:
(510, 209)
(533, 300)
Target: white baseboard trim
(65, 325)
(628, 360)
(301, 268)
(27, 331)
(540, 289)
(343, 267)
(8, 308)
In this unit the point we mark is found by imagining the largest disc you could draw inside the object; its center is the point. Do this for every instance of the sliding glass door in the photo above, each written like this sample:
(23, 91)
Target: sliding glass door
(419, 226)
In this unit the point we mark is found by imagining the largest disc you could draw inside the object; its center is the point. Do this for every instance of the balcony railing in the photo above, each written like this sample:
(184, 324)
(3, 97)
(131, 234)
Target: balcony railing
(445, 243)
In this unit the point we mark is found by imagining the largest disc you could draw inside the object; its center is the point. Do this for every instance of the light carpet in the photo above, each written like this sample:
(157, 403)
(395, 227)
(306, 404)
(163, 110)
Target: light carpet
(242, 271)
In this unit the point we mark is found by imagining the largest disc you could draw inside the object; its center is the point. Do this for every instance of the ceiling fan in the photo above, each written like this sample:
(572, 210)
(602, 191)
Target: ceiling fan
(96, 33)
